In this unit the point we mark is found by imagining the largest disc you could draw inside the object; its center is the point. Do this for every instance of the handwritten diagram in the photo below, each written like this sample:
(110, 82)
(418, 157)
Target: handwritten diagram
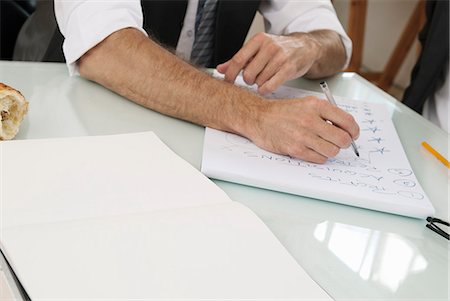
(381, 175)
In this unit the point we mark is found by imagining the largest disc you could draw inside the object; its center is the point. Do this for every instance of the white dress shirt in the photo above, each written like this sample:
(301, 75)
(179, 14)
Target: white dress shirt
(85, 23)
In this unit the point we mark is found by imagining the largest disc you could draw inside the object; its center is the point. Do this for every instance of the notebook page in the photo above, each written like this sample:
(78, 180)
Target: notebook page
(52, 180)
(212, 252)
(380, 179)
(123, 217)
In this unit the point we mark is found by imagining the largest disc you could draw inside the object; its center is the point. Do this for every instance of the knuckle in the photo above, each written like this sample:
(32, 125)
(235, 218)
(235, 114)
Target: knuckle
(273, 48)
(281, 59)
(306, 121)
(313, 101)
(238, 60)
(323, 104)
(260, 36)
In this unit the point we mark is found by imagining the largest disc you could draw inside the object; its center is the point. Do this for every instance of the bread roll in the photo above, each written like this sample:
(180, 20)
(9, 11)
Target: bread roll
(13, 108)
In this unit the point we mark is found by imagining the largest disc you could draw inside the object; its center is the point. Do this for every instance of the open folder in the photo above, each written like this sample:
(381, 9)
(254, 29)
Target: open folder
(381, 178)
(123, 217)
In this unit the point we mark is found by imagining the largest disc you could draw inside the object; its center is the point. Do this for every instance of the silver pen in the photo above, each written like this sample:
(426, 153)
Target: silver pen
(330, 98)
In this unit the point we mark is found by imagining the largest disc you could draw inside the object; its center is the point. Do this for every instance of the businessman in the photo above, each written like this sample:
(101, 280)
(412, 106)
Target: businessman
(148, 52)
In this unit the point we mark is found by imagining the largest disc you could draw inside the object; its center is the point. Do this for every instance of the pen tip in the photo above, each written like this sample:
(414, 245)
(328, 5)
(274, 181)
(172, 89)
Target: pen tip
(357, 153)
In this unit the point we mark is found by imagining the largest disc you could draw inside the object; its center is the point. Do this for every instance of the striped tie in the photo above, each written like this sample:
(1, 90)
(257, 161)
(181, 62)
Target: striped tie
(203, 48)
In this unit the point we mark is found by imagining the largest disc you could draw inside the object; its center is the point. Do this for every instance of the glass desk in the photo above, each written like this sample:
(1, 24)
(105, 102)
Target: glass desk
(352, 253)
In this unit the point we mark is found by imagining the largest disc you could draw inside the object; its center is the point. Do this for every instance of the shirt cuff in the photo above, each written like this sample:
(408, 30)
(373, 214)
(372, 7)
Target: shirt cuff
(329, 21)
(86, 30)
(286, 17)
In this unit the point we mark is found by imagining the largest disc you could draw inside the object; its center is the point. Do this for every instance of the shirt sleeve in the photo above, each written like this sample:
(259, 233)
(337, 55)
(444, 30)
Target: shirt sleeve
(287, 16)
(85, 23)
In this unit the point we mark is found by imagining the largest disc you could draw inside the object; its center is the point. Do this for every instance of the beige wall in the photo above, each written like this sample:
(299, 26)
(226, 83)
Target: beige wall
(385, 21)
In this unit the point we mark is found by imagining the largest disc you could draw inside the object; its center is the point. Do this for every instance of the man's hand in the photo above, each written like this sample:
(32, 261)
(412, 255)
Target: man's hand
(270, 60)
(299, 128)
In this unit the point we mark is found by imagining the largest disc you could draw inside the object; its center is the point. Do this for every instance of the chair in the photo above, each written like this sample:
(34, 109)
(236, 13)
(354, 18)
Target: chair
(13, 14)
(356, 28)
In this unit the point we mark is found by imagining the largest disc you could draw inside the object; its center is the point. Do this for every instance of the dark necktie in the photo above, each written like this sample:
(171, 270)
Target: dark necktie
(203, 48)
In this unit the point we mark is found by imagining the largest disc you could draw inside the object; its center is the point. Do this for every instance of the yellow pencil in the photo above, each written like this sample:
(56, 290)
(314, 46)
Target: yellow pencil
(436, 154)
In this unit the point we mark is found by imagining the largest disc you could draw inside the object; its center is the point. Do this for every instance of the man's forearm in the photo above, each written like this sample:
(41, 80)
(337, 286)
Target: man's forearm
(139, 69)
(331, 52)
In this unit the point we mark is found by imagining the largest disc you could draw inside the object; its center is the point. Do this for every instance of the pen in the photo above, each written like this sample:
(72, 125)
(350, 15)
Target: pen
(436, 154)
(330, 98)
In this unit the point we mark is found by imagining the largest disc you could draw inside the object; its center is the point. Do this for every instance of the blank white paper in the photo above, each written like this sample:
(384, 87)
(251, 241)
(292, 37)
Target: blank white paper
(52, 180)
(122, 217)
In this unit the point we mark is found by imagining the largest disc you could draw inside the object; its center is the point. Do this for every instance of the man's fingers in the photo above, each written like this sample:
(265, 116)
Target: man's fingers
(275, 81)
(297, 127)
(308, 154)
(241, 59)
(340, 119)
(279, 70)
(323, 137)
(324, 147)
(333, 134)
(269, 71)
(222, 68)
(258, 64)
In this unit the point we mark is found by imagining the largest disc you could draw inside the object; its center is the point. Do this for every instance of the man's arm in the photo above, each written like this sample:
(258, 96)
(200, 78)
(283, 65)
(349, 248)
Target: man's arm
(139, 69)
(331, 57)
(270, 60)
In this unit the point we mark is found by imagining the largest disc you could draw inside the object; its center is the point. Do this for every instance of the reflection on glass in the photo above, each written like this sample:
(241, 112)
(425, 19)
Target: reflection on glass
(395, 262)
(348, 74)
(320, 231)
(386, 259)
(349, 244)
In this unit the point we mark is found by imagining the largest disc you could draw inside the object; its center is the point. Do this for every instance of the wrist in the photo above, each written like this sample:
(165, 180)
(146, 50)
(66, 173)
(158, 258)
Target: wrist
(309, 52)
(315, 47)
(245, 113)
(330, 53)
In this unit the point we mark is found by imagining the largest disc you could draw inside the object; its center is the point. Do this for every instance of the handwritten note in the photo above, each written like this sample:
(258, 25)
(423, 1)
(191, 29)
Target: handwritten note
(380, 179)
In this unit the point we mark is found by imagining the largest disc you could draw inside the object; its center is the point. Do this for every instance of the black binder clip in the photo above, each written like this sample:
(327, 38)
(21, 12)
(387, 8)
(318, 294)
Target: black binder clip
(432, 225)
